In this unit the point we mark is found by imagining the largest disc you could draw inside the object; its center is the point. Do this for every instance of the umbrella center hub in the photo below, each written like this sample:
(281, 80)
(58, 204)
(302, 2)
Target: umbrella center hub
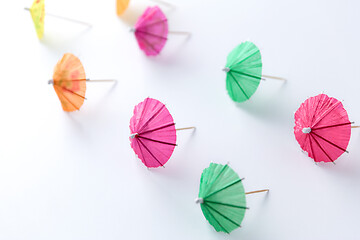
(226, 69)
(199, 200)
(306, 130)
(132, 136)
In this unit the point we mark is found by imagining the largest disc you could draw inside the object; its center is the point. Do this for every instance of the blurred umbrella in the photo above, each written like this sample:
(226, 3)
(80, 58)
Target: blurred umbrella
(69, 82)
(122, 5)
(37, 12)
(151, 31)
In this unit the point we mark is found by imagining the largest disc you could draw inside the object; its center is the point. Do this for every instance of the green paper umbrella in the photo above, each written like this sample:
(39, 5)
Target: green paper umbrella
(222, 197)
(243, 71)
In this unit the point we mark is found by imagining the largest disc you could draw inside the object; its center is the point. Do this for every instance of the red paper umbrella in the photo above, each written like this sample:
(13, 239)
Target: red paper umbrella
(153, 133)
(322, 128)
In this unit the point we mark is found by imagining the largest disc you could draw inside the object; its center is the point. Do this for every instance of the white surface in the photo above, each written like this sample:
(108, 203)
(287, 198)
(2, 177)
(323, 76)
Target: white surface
(74, 176)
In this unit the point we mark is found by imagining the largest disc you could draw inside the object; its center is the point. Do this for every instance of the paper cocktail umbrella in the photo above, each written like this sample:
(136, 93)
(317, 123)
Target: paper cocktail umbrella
(244, 71)
(222, 197)
(151, 31)
(69, 82)
(122, 5)
(153, 133)
(37, 12)
(322, 128)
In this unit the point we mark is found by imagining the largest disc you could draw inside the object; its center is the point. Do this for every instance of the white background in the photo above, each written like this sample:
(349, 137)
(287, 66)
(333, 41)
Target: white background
(75, 176)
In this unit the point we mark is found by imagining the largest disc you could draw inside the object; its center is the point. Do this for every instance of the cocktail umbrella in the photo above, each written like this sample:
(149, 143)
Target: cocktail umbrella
(69, 82)
(244, 71)
(151, 31)
(37, 11)
(153, 133)
(122, 5)
(222, 197)
(322, 128)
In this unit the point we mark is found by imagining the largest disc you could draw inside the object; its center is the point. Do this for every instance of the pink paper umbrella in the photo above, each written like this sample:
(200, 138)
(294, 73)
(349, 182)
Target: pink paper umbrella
(151, 31)
(153, 133)
(322, 128)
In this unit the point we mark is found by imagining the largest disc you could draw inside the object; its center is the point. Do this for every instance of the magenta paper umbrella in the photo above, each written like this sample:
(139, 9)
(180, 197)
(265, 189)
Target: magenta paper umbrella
(153, 133)
(322, 128)
(151, 31)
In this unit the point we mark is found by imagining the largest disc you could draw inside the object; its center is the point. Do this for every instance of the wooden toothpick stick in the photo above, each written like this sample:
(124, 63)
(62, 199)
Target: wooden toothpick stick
(64, 18)
(273, 77)
(186, 128)
(258, 191)
(180, 33)
(101, 80)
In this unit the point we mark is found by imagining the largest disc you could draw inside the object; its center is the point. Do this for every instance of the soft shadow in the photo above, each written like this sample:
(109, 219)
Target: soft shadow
(75, 123)
(53, 41)
(345, 167)
(106, 96)
(265, 108)
(176, 168)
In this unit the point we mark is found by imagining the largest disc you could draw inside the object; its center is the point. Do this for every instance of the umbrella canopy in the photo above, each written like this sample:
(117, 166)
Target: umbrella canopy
(243, 71)
(121, 6)
(37, 11)
(222, 197)
(151, 30)
(153, 133)
(69, 82)
(322, 128)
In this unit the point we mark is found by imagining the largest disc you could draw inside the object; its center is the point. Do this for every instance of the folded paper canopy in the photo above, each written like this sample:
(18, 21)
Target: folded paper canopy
(322, 128)
(37, 11)
(222, 197)
(153, 133)
(151, 31)
(121, 6)
(243, 71)
(69, 82)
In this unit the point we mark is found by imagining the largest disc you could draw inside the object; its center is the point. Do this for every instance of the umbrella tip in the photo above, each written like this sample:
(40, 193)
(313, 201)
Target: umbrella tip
(226, 69)
(132, 29)
(50, 82)
(306, 130)
(199, 200)
(132, 136)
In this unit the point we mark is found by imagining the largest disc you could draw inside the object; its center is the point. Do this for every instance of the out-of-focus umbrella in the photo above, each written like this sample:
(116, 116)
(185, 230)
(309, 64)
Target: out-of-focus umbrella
(69, 82)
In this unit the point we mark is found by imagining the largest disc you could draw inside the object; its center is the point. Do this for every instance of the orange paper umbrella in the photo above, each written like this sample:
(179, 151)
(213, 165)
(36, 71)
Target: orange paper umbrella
(69, 82)
(122, 5)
